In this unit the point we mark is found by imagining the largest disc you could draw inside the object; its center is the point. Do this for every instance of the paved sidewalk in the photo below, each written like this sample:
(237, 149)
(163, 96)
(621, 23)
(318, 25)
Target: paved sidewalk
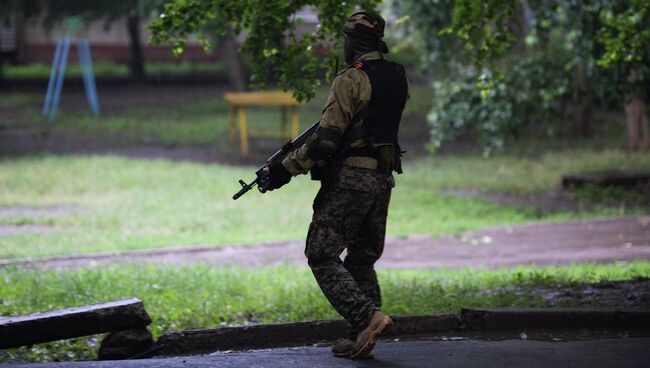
(623, 352)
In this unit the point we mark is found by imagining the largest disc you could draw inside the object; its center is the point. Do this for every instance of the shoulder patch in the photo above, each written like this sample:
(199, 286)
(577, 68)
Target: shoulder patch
(358, 64)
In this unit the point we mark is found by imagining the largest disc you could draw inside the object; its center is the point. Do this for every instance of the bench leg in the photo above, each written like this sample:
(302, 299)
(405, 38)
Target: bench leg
(295, 124)
(232, 124)
(283, 121)
(243, 132)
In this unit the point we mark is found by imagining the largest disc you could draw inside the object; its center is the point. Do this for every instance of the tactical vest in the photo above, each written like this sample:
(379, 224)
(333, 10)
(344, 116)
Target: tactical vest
(381, 118)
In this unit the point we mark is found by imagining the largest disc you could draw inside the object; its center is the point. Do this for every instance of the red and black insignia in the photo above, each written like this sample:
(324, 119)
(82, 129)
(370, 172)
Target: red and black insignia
(358, 64)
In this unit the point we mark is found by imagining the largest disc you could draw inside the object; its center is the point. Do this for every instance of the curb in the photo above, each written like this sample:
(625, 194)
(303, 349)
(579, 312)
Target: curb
(288, 334)
(486, 319)
(472, 319)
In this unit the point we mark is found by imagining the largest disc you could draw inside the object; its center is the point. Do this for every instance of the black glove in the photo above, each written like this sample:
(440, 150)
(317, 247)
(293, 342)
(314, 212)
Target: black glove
(278, 176)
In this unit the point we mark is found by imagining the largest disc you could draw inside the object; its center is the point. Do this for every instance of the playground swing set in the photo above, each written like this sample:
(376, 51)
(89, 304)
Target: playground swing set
(74, 30)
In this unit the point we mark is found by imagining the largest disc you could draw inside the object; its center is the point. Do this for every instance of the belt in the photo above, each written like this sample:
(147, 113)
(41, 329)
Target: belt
(361, 162)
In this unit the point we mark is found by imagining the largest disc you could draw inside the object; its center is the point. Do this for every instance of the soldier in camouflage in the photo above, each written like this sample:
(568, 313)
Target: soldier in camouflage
(353, 152)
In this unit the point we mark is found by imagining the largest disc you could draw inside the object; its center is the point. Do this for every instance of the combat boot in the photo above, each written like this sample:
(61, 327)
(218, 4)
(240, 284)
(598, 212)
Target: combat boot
(367, 338)
(344, 348)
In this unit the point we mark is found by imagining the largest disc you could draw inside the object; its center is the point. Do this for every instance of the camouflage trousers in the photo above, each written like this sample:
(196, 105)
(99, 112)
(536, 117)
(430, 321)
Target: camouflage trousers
(350, 214)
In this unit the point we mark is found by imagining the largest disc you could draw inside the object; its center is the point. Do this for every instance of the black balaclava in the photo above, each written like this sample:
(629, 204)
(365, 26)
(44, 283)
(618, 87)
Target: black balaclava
(363, 33)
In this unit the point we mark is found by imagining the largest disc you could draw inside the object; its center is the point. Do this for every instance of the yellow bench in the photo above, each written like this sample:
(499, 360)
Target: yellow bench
(240, 100)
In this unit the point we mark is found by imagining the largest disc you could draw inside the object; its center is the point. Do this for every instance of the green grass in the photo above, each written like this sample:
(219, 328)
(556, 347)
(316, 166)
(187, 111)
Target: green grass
(202, 296)
(131, 204)
(203, 123)
(522, 174)
(110, 69)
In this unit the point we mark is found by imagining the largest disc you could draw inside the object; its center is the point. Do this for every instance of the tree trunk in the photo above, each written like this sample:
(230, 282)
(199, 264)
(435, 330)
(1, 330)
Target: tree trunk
(584, 115)
(235, 70)
(136, 64)
(21, 42)
(637, 124)
(582, 104)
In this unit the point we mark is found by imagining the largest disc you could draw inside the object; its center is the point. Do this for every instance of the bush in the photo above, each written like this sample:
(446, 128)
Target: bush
(494, 107)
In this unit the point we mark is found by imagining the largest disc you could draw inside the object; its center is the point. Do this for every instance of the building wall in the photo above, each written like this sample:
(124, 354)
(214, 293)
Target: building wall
(108, 42)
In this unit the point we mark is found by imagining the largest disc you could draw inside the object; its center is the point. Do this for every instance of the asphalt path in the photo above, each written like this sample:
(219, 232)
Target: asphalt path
(606, 239)
(620, 352)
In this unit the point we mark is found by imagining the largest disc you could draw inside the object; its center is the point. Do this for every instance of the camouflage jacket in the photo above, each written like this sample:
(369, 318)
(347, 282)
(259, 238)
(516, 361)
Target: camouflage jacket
(349, 95)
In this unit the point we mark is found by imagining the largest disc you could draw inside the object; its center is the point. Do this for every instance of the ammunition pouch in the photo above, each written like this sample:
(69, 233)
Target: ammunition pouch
(321, 172)
(389, 159)
(324, 144)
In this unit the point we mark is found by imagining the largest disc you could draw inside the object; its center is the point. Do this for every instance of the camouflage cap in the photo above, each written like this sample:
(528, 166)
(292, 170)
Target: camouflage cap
(364, 25)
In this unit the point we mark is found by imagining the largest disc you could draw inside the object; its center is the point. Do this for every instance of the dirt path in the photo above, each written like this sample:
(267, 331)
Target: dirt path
(544, 243)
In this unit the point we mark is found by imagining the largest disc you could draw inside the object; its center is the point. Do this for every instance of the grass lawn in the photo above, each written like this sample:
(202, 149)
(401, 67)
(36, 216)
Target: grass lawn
(200, 296)
(202, 122)
(110, 69)
(126, 204)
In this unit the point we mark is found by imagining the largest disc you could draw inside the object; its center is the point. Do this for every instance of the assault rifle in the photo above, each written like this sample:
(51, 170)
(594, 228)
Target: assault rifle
(261, 176)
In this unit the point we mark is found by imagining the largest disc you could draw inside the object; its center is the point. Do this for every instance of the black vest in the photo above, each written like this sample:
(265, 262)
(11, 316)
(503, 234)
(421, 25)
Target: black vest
(382, 116)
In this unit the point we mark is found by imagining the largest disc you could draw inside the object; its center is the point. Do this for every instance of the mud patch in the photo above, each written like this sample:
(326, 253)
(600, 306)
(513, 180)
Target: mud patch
(615, 294)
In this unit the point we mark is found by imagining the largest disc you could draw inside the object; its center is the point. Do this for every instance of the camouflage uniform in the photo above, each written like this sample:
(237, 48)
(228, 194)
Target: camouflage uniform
(349, 211)
(352, 215)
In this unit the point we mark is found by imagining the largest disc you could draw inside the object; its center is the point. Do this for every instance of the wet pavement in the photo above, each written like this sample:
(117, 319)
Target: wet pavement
(620, 352)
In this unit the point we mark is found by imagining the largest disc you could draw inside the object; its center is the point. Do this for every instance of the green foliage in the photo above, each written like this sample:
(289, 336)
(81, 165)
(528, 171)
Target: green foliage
(421, 28)
(27, 7)
(109, 11)
(493, 108)
(533, 62)
(483, 26)
(615, 33)
(461, 108)
(54, 11)
(276, 51)
(625, 35)
(203, 296)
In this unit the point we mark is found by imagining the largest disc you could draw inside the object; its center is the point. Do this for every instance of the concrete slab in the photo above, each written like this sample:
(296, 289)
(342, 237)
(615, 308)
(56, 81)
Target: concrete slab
(72, 322)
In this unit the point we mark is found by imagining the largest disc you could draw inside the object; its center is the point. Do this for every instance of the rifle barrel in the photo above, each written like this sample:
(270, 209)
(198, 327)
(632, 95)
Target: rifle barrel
(245, 188)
